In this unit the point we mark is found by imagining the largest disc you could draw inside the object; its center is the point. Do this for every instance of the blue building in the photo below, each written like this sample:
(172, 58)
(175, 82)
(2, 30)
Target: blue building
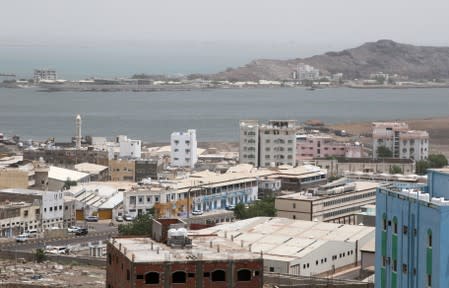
(412, 233)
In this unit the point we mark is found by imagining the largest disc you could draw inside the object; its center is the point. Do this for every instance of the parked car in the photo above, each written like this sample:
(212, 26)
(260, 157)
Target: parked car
(230, 207)
(73, 229)
(57, 250)
(22, 238)
(119, 218)
(81, 231)
(92, 219)
(32, 233)
(129, 217)
(197, 212)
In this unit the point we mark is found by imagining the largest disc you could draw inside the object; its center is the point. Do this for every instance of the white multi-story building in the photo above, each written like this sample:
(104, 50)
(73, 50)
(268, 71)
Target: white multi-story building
(307, 72)
(249, 142)
(129, 148)
(266, 145)
(183, 149)
(402, 142)
(51, 204)
(44, 75)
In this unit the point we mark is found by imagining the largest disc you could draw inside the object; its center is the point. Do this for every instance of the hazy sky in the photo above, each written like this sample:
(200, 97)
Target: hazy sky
(276, 29)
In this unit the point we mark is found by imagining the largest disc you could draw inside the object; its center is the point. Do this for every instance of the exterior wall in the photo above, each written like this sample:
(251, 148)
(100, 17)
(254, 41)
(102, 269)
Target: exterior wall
(338, 168)
(406, 257)
(414, 147)
(129, 148)
(184, 149)
(17, 218)
(308, 148)
(122, 170)
(147, 168)
(53, 209)
(69, 214)
(249, 142)
(16, 178)
(302, 183)
(67, 157)
(277, 143)
(294, 209)
(198, 273)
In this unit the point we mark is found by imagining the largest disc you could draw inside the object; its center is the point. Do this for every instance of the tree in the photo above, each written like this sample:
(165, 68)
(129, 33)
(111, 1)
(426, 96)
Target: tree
(395, 169)
(40, 255)
(384, 152)
(141, 225)
(264, 207)
(434, 161)
(437, 160)
(68, 183)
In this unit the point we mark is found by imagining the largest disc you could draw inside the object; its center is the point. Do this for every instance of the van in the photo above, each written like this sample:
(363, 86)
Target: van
(32, 233)
(22, 238)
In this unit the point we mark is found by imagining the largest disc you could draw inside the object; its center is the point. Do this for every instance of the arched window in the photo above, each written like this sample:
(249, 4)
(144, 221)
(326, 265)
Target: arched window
(178, 277)
(218, 275)
(152, 278)
(244, 275)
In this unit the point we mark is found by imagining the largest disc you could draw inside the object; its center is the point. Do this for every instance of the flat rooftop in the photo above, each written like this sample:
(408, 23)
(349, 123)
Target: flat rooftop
(222, 250)
(287, 238)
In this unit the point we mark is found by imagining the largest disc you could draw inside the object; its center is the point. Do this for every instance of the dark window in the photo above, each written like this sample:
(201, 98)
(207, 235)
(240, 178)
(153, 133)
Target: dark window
(128, 275)
(271, 269)
(191, 275)
(206, 274)
(245, 275)
(218, 275)
(109, 259)
(152, 278)
(140, 277)
(256, 273)
(178, 277)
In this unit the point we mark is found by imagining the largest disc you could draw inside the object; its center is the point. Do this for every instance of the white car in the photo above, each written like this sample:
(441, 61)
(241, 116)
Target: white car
(22, 238)
(197, 212)
(73, 229)
(128, 217)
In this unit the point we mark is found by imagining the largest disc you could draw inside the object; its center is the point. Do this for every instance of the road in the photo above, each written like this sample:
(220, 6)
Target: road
(97, 232)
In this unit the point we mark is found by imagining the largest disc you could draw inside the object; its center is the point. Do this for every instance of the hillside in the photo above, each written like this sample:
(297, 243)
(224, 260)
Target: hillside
(416, 62)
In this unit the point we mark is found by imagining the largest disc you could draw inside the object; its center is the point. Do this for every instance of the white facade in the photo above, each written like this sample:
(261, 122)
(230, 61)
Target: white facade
(404, 143)
(249, 142)
(52, 209)
(44, 75)
(307, 72)
(129, 148)
(183, 149)
(277, 143)
(264, 145)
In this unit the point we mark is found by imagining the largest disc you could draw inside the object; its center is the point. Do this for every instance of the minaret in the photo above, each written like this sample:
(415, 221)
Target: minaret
(78, 131)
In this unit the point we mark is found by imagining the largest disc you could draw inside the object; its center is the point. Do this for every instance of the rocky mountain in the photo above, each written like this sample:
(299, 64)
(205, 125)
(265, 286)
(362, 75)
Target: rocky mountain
(416, 62)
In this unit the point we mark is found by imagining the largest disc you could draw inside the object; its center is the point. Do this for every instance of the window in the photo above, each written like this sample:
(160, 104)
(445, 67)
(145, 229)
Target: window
(245, 274)
(178, 276)
(294, 205)
(206, 275)
(140, 277)
(152, 278)
(395, 225)
(395, 264)
(429, 280)
(128, 275)
(429, 238)
(218, 275)
(271, 269)
(384, 223)
(25, 213)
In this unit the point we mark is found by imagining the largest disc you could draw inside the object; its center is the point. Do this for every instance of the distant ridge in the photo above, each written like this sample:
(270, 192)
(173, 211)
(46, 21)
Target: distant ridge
(416, 62)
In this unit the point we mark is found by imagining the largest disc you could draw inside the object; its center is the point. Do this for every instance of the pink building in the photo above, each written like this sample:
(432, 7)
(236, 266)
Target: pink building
(309, 147)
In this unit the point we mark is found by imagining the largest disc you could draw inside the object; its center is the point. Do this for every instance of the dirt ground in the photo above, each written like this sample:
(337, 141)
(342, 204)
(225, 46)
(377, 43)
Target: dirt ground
(438, 129)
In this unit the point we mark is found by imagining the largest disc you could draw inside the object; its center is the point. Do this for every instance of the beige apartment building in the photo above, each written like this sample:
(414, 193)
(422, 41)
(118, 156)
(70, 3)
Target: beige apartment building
(270, 144)
(122, 170)
(17, 217)
(336, 202)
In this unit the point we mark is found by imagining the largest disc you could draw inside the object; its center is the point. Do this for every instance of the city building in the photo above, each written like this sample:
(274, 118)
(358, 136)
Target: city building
(101, 199)
(307, 72)
(122, 170)
(50, 204)
(67, 157)
(44, 75)
(298, 247)
(129, 148)
(411, 233)
(309, 147)
(96, 172)
(300, 178)
(57, 177)
(337, 202)
(185, 261)
(183, 149)
(267, 145)
(16, 173)
(402, 142)
(249, 142)
(147, 169)
(338, 166)
(17, 217)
